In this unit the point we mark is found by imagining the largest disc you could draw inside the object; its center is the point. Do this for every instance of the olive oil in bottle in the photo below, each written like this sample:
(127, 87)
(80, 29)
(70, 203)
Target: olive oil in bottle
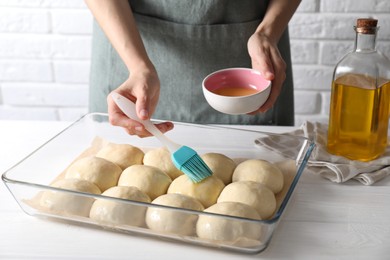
(360, 99)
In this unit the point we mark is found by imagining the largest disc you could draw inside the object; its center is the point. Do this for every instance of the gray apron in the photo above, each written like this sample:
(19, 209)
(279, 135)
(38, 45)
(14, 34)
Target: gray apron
(186, 40)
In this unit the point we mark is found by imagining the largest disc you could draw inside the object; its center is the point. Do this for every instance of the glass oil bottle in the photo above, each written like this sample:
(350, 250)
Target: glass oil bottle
(360, 99)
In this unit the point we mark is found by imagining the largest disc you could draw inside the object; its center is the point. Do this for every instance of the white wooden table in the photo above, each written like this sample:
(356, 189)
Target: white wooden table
(323, 220)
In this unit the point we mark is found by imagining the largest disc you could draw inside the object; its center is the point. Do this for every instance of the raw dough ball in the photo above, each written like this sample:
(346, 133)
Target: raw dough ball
(161, 158)
(253, 194)
(206, 191)
(149, 179)
(61, 202)
(101, 172)
(225, 229)
(221, 166)
(123, 155)
(173, 221)
(260, 171)
(120, 213)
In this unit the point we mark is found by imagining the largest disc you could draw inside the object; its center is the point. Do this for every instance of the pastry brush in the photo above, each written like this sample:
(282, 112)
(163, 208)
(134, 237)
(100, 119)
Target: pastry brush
(183, 157)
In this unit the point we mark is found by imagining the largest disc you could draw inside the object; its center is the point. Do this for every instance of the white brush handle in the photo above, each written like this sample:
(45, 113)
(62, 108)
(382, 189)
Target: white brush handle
(128, 108)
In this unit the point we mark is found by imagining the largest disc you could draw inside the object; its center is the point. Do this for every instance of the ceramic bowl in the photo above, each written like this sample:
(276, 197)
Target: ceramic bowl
(236, 90)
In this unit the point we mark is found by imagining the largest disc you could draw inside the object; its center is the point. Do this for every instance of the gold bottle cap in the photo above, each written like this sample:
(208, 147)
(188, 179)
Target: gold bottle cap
(366, 25)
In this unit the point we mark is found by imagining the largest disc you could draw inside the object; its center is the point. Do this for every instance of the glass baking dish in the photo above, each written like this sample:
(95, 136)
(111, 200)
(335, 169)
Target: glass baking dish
(33, 175)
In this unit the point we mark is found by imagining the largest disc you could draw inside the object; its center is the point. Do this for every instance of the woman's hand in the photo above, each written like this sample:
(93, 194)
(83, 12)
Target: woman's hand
(263, 49)
(143, 88)
(267, 60)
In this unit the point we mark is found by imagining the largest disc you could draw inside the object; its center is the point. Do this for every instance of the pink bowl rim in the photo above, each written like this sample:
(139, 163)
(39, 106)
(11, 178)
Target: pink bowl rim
(235, 68)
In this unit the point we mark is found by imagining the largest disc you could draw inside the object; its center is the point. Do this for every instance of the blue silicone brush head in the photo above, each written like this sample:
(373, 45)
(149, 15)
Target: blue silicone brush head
(189, 162)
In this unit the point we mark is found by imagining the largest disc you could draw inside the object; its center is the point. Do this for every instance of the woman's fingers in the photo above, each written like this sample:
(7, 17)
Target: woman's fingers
(142, 132)
(132, 127)
(267, 59)
(279, 66)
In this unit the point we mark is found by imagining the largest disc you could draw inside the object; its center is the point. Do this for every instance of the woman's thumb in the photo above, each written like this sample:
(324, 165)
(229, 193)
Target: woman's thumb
(141, 106)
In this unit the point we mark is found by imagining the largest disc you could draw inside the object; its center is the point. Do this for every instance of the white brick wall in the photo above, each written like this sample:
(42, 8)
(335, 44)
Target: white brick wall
(45, 54)
(45, 50)
(321, 33)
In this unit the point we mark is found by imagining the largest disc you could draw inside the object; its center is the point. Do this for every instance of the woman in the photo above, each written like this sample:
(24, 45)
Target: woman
(140, 45)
